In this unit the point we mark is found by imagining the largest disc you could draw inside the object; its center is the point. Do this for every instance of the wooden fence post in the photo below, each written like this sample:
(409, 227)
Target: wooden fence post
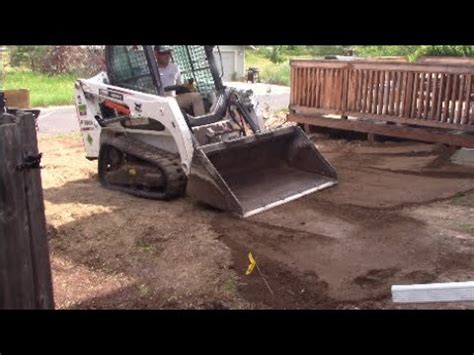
(25, 271)
(345, 90)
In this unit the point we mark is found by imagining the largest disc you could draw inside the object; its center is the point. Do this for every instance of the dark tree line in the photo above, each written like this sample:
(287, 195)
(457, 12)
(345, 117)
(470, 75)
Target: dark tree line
(82, 60)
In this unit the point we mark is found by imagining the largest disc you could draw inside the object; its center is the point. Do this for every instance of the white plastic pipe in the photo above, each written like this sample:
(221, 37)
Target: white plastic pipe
(438, 292)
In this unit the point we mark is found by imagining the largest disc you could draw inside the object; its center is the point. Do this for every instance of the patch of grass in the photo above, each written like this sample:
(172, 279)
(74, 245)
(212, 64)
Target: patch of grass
(255, 59)
(146, 248)
(143, 290)
(45, 90)
(469, 227)
(271, 73)
(278, 74)
(459, 200)
(230, 286)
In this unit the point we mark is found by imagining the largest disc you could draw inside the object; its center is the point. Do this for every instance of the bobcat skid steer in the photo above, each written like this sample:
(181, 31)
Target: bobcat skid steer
(147, 146)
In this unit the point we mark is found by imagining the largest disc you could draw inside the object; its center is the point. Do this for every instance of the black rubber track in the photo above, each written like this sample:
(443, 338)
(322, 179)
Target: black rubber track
(168, 163)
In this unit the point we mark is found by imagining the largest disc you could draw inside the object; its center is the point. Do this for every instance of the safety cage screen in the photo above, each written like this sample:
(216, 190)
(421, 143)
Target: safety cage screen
(128, 68)
(193, 63)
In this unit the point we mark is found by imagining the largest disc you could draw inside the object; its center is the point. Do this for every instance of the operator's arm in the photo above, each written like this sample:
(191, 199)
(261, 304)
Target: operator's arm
(179, 78)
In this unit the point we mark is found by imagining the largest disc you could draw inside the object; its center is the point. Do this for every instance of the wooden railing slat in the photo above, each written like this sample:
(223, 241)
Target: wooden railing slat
(453, 98)
(460, 99)
(370, 84)
(414, 101)
(375, 90)
(440, 98)
(396, 108)
(434, 98)
(465, 116)
(364, 90)
(447, 94)
(427, 96)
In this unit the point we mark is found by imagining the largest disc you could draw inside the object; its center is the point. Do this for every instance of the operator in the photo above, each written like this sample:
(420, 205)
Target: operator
(170, 75)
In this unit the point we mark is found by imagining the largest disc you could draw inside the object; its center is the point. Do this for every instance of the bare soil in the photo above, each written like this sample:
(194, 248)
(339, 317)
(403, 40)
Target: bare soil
(401, 214)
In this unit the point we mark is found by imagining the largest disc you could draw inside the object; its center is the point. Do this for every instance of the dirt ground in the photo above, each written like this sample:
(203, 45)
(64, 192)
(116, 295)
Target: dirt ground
(401, 214)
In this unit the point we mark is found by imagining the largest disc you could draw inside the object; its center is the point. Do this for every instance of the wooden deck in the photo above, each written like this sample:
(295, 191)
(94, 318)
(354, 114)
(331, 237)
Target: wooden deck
(431, 102)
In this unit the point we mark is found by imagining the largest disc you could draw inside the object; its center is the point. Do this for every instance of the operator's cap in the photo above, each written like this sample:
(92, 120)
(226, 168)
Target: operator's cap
(163, 49)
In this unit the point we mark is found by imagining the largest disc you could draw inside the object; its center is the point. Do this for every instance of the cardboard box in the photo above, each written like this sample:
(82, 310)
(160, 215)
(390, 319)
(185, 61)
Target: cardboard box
(19, 98)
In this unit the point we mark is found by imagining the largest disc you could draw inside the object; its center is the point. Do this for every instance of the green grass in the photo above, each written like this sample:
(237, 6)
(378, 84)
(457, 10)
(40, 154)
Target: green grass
(230, 286)
(469, 227)
(271, 73)
(459, 199)
(45, 90)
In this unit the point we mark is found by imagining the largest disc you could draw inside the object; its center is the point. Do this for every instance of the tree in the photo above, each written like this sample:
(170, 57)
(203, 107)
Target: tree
(81, 60)
(276, 55)
(321, 51)
(412, 53)
(31, 57)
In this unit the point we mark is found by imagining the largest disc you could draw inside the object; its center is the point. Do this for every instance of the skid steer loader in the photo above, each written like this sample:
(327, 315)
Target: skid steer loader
(147, 146)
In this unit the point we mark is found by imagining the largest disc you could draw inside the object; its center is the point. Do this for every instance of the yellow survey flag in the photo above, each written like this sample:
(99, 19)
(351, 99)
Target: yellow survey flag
(252, 264)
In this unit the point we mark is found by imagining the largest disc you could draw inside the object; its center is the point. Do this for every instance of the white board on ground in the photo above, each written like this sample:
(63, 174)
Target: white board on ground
(437, 292)
(463, 156)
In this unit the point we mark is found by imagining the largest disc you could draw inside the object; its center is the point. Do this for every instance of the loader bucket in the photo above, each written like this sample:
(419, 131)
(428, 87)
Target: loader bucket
(253, 174)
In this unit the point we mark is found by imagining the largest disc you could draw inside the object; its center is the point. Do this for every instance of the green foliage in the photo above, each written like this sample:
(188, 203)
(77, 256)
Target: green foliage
(375, 51)
(3, 66)
(277, 74)
(279, 54)
(273, 61)
(321, 51)
(276, 55)
(45, 90)
(81, 60)
(271, 73)
(32, 57)
(49, 72)
(455, 51)
(274, 67)
(412, 53)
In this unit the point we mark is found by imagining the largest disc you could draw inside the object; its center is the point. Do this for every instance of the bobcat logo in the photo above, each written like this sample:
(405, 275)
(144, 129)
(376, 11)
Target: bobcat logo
(138, 107)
